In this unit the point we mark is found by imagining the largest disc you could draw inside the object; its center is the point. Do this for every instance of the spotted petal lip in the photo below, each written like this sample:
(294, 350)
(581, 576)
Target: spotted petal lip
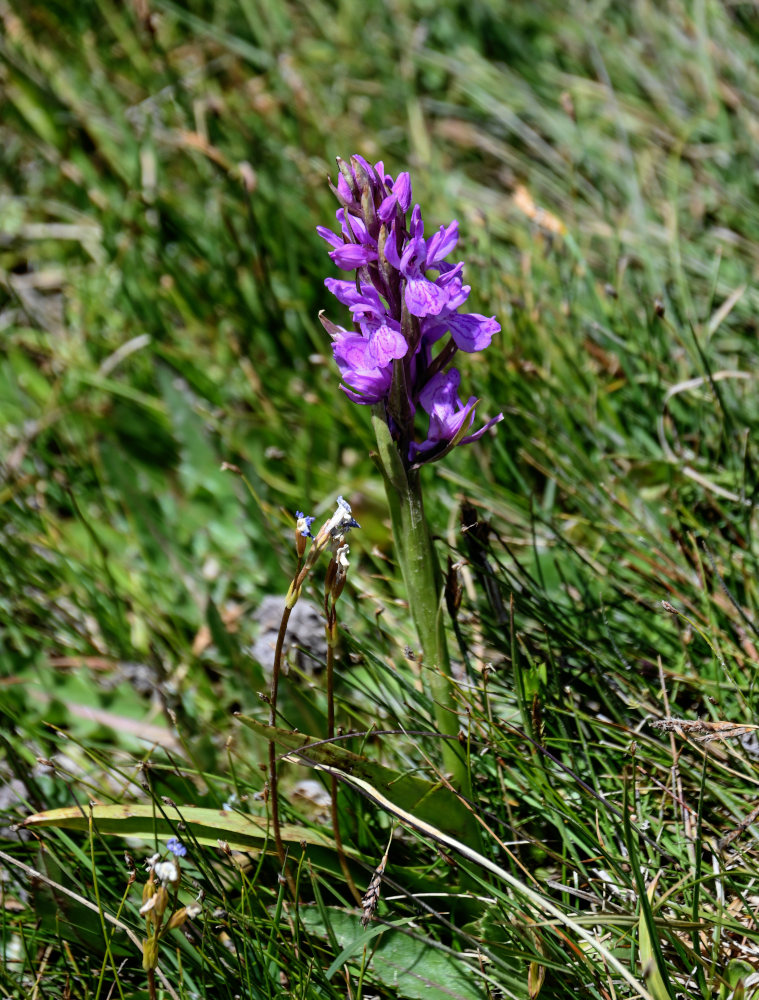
(424, 297)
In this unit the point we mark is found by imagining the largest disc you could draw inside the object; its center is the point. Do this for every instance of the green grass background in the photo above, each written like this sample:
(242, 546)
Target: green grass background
(163, 170)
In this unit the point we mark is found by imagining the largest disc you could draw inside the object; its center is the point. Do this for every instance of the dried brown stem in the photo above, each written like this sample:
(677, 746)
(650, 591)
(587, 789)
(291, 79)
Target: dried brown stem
(703, 731)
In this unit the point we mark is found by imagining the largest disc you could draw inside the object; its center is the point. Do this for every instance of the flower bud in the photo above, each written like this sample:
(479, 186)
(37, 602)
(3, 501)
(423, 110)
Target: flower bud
(148, 891)
(186, 913)
(150, 953)
(303, 524)
(368, 211)
(161, 902)
(291, 598)
(341, 571)
(177, 919)
(345, 170)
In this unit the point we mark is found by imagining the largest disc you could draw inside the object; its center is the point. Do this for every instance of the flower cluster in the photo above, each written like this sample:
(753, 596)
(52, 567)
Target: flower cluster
(159, 902)
(393, 356)
(331, 534)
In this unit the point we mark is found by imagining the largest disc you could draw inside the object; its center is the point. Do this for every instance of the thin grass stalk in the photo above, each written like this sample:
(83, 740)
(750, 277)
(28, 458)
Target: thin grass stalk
(695, 936)
(332, 533)
(330, 627)
(108, 957)
(540, 902)
(273, 780)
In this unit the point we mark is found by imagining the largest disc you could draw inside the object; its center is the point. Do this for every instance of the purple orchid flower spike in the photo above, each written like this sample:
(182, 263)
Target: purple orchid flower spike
(405, 299)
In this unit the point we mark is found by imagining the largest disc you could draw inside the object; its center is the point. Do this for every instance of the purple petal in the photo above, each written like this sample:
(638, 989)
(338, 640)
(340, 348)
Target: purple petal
(386, 211)
(450, 276)
(400, 196)
(442, 243)
(478, 434)
(417, 225)
(441, 392)
(452, 428)
(386, 345)
(350, 353)
(433, 328)
(344, 291)
(414, 258)
(471, 331)
(391, 250)
(353, 228)
(441, 389)
(344, 192)
(443, 437)
(402, 190)
(367, 303)
(458, 293)
(352, 255)
(332, 238)
(423, 297)
(367, 388)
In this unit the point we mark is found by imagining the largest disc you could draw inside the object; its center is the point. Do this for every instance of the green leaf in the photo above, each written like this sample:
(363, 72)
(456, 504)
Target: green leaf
(206, 826)
(651, 973)
(425, 800)
(416, 969)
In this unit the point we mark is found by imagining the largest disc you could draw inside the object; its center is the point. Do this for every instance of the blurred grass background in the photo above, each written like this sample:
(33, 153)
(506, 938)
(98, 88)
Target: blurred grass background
(163, 171)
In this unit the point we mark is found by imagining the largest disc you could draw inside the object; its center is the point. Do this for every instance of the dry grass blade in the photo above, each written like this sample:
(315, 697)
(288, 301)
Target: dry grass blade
(702, 731)
(741, 828)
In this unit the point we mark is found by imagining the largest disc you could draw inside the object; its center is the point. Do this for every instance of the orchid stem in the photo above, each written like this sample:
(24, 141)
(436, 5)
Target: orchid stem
(424, 588)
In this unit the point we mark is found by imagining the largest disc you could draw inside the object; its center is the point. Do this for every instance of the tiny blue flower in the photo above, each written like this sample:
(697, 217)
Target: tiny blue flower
(176, 847)
(341, 521)
(304, 522)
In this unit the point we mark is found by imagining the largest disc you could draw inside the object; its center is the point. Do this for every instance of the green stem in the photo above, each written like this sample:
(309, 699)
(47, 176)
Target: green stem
(424, 587)
(273, 782)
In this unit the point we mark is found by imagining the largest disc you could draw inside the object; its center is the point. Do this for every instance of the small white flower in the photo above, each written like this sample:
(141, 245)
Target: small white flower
(341, 521)
(148, 905)
(166, 871)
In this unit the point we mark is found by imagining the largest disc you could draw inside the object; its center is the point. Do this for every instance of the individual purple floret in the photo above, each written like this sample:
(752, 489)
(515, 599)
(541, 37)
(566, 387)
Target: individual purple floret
(176, 847)
(303, 523)
(404, 300)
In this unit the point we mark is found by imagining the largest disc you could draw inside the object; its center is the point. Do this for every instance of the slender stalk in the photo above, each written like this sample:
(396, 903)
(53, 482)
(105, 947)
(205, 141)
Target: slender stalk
(333, 532)
(273, 781)
(330, 615)
(424, 588)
